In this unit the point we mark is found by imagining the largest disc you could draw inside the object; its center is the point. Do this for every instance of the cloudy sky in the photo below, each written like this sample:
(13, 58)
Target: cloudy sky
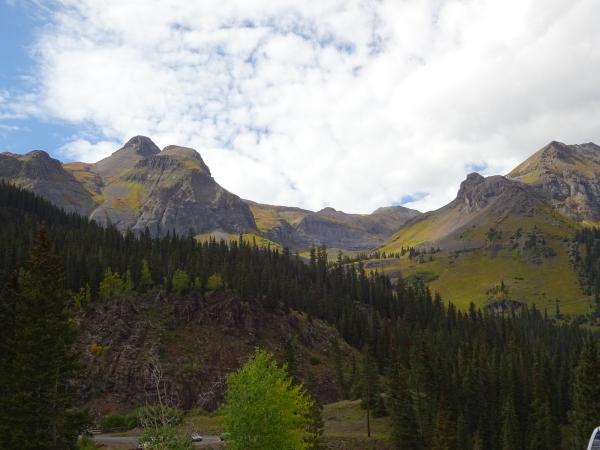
(353, 104)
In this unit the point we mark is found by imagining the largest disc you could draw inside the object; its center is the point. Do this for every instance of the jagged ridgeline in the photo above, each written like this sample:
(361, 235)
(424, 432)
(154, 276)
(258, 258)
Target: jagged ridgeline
(473, 379)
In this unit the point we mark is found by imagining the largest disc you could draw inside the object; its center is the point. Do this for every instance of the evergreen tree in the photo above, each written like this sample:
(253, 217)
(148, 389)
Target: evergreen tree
(371, 391)
(444, 436)
(128, 285)
(38, 401)
(585, 414)
(402, 412)
(146, 281)
(510, 426)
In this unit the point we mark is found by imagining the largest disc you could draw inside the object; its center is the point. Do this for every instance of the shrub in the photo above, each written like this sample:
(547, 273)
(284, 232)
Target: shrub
(114, 422)
(215, 282)
(86, 443)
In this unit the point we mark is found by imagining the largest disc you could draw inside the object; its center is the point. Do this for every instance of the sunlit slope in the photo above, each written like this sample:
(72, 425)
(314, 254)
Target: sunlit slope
(499, 241)
(251, 238)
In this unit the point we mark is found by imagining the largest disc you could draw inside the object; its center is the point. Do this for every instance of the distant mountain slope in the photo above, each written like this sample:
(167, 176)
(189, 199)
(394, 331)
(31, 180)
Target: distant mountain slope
(481, 203)
(46, 176)
(139, 186)
(500, 241)
(299, 228)
(569, 175)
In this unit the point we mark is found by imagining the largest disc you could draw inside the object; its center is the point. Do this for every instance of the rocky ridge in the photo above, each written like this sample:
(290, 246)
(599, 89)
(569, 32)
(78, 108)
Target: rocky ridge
(568, 175)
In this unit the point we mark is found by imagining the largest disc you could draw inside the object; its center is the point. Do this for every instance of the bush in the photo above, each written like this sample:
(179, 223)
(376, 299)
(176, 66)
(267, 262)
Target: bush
(87, 443)
(114, 422)
(165, 438)
(157, 416)
(215, 282)
(133, 420)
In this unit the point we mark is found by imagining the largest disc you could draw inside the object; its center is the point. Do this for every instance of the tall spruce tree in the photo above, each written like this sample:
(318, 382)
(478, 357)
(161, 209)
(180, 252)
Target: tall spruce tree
(444, 436)
(510, 426)
(403, 423)
(585, 413)
(39, 397)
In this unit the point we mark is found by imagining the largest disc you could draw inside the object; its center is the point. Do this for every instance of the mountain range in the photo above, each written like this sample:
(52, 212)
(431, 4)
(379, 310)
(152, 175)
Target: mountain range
(171, 190)
(509, 235)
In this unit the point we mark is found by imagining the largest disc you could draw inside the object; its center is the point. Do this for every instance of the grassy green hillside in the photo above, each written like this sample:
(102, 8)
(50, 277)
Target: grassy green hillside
(494, 254)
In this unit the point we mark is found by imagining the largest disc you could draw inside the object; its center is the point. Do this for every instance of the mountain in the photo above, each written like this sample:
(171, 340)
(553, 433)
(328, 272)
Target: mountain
(499, 243)
(481, 203)
(300, 228)
(569, 175)
(141, 186)
(137, 187)
(38, 172)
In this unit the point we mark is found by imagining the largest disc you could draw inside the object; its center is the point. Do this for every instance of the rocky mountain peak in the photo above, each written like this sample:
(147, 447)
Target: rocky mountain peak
(327, 210)
(140, 145)
(190, 157)
(136, 149)
(476, 192)
(37, 154)
(473, 179)
(568, 175)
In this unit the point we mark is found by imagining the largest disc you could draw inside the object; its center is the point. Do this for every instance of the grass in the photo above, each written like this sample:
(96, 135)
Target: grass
(268, 217)
(209, 424)
(467, 278)
(345, 426)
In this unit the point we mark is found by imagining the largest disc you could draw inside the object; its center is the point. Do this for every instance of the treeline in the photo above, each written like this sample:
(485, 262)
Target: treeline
(454, 380)
(586, 256)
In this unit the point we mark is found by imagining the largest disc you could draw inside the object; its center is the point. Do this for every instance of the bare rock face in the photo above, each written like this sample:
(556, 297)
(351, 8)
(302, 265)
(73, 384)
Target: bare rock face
(297, 228)
(477, 193)
(38, 172)
(137, 187)
(135, 150)
(569, 175)
(167, 191)
(198, 341)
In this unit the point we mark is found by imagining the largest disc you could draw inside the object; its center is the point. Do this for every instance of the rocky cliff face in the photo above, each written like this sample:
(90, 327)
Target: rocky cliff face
(197, 341)
(569, 175)
(480, 204)
(496, 195)
(137, 187)
(46, 177)
(166, 191)
(298, 228)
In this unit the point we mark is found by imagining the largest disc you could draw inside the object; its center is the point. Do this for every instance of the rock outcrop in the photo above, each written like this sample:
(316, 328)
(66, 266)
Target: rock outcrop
(166, 191)
(569, 175)
(298, 228)
(197, 341)
(38, 172)
(137, 187)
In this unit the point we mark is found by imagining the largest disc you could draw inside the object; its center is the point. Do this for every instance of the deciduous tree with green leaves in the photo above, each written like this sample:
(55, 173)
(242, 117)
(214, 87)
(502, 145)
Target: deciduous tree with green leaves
(264, 409)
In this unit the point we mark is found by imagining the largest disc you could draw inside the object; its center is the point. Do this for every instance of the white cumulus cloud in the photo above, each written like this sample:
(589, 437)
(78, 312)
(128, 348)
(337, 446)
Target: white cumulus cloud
(353, 104)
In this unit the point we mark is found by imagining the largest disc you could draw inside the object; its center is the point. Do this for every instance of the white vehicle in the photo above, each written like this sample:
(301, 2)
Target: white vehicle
(595, 440)
(196, 437)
